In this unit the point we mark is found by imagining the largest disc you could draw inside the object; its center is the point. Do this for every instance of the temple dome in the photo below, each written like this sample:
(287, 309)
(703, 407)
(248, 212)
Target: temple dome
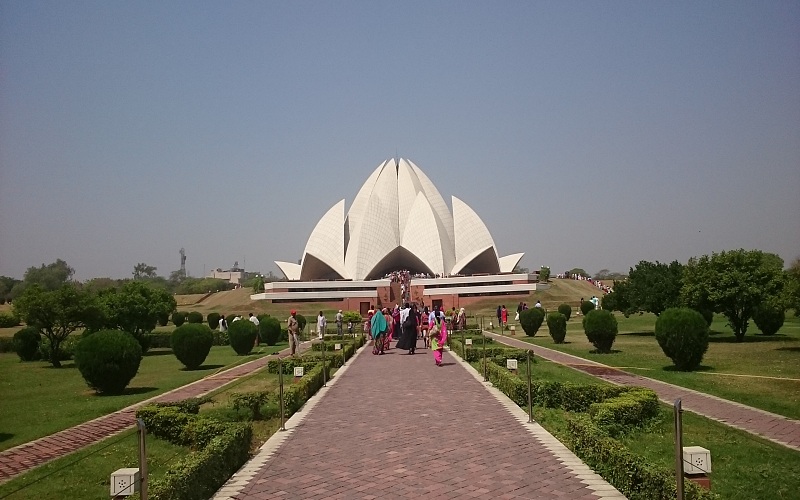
(398, 220)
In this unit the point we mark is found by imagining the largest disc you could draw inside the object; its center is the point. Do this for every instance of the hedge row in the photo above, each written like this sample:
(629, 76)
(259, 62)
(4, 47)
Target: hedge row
(627, 410)
(221, 449)
(611, 409)
(475, 353)
(628, 472)
(163, 339)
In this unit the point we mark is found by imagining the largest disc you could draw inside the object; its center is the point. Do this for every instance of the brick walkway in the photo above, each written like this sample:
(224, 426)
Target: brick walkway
(776, 428)
(25, 457)
(396, 426)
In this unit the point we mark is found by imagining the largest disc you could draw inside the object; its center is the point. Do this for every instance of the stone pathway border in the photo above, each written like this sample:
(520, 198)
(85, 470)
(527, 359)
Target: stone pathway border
(776, 428)
(383, 430)
(24, 457)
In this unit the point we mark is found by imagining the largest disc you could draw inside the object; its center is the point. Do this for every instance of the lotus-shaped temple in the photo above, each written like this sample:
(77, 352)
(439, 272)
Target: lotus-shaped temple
(398, 220)
(399, 225)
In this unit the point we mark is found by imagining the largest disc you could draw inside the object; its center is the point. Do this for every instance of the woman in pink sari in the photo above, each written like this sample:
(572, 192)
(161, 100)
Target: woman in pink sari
(437, 322)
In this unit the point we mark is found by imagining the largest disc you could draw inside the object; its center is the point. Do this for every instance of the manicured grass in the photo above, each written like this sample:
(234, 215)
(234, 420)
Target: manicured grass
(763, 371)
(744, 466)
(39, 400)
(86, 473)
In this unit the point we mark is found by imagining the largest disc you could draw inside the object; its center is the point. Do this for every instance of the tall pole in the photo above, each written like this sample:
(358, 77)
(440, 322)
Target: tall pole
(679, 448)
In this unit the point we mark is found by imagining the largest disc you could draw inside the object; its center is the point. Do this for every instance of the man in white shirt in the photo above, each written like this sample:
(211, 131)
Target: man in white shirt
(339, 320)
(322, 324)
(254, 320)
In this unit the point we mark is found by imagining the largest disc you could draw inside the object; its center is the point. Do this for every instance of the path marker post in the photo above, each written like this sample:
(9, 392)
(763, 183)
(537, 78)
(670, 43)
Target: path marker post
(679, 447)
(530, 393)
(483, 337)
(463, 346)
(324, 374)
(142, 458)
(280, 391)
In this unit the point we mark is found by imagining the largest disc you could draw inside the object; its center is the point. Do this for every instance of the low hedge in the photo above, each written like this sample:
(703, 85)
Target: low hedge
(626, 411)
(201, 474)
(297, 394)
(221, 449)
(629, 473)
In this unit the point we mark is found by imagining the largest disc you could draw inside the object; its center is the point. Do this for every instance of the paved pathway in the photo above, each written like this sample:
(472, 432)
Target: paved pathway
(397, 427)
(24, 457)
(776, 428)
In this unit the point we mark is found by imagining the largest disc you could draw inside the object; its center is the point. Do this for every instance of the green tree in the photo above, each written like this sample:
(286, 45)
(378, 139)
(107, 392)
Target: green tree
(733, 283)
(544, 274)
(135, 308)
(653, 287)
(143, 271)
(49, 277)
(56, 313)
(577, 271)
(793, 286)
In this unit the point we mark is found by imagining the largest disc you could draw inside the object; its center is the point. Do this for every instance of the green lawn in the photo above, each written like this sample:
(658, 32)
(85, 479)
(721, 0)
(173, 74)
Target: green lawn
(86, 473)
(39, 400)
(763, 371)
(743, 466)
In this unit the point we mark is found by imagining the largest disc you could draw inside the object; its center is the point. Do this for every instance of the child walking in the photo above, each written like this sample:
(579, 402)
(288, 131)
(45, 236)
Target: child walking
(438, 336)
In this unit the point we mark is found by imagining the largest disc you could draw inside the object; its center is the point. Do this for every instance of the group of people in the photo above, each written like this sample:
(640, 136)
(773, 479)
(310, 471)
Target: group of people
(409, 324)
(599, 284)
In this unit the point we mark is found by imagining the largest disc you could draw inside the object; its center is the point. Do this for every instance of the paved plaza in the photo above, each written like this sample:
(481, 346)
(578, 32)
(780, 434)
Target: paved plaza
(396, 426)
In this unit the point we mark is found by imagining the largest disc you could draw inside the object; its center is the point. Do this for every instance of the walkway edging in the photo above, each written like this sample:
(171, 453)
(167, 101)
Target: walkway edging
(584, 473)
(247, 472)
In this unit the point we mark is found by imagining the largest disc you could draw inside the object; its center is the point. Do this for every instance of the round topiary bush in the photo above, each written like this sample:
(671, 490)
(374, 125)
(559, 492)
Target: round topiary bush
(769, 318)
(566, 310)
(557, 325)
(108, 360)
(682, 334)
(707, 315)
(163, 318)
(586, 307)
(531, 320)
(8, 320)
(26, 343)
(269, 330)
(301, 321)
(191, 344)
(178, 318)
(194, 317)
(600, 327)
(242, 336)
(213, 320)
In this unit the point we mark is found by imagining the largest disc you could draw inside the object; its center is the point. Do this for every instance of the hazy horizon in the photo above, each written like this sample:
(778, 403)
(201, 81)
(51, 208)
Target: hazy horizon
(584, 134)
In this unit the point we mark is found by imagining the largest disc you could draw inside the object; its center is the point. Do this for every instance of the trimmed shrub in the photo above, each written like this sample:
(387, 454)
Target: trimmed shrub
(213, 320)
(26, 343)
(191, 344)
(163, 319)
(108, 360)
(586, 307)
(566, 310)
(8, 320)
(557, 325)
(600, 327)
(682, 334)
(531, 320)
(269, 330)
(242, 336)
(178, 318)
(707, 314)
(769, 318)
(301, 321)
(627, 411)
(194, 317)
(229, 318)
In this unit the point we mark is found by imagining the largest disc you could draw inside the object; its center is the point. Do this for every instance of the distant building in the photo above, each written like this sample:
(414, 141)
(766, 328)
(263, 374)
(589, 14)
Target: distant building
(233, 275)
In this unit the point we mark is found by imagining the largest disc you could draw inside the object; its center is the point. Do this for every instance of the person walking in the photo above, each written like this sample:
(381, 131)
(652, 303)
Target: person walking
(504, 316)
(499, 315)
(378, 328)
(294, 332)
(438, 335)
(322, 325)
(339, 320)
(223, 324)
(408, 322)
(255, 321)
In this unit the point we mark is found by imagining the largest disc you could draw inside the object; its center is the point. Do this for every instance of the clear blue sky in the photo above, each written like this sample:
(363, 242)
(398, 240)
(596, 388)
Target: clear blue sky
(586, 134)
